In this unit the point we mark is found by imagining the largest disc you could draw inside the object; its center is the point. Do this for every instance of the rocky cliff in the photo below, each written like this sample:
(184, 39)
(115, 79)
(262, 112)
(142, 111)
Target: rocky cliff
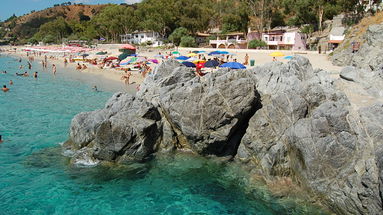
(277, 120)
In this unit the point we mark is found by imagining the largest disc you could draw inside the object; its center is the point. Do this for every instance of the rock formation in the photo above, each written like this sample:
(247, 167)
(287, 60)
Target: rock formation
(278, 120)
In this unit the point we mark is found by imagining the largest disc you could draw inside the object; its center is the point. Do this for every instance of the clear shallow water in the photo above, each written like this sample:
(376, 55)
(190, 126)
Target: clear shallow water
(35, 179)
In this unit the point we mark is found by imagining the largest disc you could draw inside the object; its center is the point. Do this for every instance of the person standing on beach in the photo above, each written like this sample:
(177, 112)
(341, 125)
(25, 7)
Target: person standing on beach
(65, 62)
(54, 70)
(246, 60)
(35, 74)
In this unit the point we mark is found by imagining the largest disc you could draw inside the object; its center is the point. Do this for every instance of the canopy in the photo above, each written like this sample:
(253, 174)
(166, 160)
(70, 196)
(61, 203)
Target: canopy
(277, 54)
(182, 58)
(189, 64)
(128, 46)
(211, 63)
(233, 65)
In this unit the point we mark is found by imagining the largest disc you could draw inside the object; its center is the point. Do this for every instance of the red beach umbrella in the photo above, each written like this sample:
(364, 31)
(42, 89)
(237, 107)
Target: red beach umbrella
(111, 58)
(200, 65)
(128, 46)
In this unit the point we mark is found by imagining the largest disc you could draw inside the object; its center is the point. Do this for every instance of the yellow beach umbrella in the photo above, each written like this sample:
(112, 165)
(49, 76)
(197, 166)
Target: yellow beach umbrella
(199, 61)
(277, 54)
(191, 55)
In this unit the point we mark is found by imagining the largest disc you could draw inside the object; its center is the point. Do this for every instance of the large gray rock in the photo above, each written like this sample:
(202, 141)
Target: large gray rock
(127, 129)
(278, 120)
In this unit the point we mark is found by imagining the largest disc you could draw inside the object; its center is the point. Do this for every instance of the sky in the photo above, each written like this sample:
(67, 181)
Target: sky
(21, 7)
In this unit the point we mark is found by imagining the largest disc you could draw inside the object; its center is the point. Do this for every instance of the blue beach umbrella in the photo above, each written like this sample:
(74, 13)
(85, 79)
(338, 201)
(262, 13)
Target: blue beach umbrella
(288, 57)
(233, 65)
(189, 64)
(215, 53)
(211, 63)
(224, 52)
(182, 58)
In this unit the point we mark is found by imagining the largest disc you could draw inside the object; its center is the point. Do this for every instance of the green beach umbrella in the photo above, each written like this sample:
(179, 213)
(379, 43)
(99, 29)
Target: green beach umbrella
(176, 52)
(101, 53)
(123, 56)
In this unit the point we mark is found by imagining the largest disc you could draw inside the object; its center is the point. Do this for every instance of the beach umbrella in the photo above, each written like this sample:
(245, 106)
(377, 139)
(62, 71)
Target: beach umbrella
(176, 52)
(288, 57)
(159, 56)
(111, 58)
(200, 65)
(123, 56)
(191, 59)
(128, 46)
(199, 61)
(215, 53)
(211, 63)
(191, 55)
(84, 55)
(277, 54)
(224, 52)
(233, 65)
(182, 58)
(133, 55)
(198, 52)
(189, 64)
(101, 53)
(154, 61)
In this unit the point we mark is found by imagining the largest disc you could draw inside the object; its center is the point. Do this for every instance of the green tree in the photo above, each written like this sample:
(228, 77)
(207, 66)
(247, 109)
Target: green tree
(113, 21)
(177, 35)
(188, 41)
(257, 44)
(58, 29)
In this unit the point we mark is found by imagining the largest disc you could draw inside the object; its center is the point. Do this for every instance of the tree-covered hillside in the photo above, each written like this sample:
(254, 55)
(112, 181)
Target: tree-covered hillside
(89, 22)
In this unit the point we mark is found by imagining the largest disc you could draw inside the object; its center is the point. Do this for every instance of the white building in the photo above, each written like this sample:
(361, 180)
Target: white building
(153, 38)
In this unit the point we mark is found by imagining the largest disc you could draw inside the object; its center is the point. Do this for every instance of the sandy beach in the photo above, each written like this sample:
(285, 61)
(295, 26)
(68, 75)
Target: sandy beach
(111, 78)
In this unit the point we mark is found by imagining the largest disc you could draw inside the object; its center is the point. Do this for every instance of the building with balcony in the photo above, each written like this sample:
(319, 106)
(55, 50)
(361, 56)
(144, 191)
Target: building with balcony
(234, 40)
(336, 37)
(152, 38)
(290, 39)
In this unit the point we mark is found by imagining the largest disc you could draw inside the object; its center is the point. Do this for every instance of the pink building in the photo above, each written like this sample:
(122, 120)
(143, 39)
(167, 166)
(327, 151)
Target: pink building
(285, 40)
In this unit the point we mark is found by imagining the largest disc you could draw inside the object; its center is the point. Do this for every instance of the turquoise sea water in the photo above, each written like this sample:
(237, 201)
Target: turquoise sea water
(35, 179)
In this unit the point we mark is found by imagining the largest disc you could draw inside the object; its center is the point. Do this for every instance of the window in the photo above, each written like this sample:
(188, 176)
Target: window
(142, 36)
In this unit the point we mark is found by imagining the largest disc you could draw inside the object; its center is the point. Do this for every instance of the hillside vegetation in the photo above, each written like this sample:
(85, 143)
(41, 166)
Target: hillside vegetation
(88, 22)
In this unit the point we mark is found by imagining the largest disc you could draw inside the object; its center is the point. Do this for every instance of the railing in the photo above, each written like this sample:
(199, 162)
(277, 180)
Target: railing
(218, 41)
(272, 43)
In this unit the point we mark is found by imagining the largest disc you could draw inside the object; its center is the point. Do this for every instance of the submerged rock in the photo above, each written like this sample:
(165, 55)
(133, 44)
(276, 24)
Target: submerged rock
(277, 120)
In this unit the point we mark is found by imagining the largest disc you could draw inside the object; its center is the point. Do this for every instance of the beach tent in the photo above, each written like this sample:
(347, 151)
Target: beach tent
(211, 63)
(277, 54)
(189, 64)
(182, 58)
(233, 65)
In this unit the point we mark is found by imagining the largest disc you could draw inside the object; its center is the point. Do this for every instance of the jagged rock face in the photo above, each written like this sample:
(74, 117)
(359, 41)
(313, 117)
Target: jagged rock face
(209, 113)
(370, 54)
(278, 120)
(127, 129)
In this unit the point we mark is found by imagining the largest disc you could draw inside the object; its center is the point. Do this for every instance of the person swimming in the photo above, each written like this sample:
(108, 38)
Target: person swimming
(5, 88)
(1, 139)
(26, 74)
(94, 88)
(10, 82)
(54, 70)
(35, 74)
